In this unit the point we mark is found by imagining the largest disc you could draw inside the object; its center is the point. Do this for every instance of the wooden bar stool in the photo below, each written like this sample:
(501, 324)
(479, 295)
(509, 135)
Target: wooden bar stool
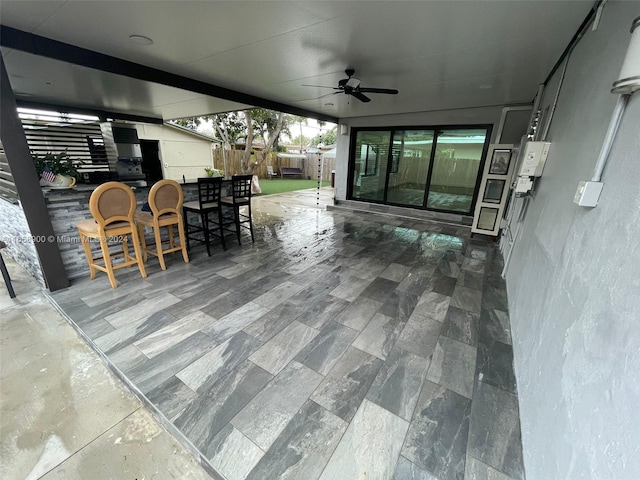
(165, 200)
(240, 196)
(112, 206)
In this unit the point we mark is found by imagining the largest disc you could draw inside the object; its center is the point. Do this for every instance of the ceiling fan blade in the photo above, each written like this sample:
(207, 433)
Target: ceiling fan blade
(389, 91)
(321, 96)
(360, 96)
(321, 86)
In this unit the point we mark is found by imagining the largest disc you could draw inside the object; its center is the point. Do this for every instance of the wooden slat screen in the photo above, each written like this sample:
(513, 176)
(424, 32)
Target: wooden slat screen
(79, 136)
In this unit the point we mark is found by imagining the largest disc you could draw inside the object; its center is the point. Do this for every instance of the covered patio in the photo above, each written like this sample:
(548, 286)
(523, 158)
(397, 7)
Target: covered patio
(336, 346)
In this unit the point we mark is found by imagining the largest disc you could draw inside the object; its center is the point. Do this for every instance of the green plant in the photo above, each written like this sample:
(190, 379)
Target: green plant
(214, 172)
(57, 163)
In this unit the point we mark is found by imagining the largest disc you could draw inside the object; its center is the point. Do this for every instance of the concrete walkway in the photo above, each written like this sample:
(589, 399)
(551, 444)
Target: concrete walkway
(62, 413)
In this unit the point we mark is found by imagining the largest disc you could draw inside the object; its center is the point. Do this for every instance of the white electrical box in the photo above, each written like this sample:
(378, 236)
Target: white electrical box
(533, 158)
(523, 185)
(588, 193)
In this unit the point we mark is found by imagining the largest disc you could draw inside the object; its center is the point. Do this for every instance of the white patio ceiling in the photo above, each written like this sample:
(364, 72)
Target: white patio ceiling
(438, 54)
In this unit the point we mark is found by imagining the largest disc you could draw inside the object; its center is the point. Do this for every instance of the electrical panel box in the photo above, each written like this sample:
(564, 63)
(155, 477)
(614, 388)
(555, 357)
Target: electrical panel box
(533, 158)
(523, 185)
(588, 194)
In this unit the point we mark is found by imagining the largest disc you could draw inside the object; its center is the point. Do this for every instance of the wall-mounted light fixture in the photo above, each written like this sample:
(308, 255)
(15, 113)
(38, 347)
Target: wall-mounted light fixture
(344, 129)
(629, 78)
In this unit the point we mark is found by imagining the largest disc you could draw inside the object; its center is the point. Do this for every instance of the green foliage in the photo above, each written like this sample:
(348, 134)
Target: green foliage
(327, 138)
(301, 140)
(214, 172)
(58, 164)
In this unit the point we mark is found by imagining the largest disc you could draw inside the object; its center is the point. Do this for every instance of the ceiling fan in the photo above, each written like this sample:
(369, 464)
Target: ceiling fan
(351, 86)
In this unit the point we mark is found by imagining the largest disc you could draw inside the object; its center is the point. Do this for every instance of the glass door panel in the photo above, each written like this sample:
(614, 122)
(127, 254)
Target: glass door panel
(409, 167)
(455, 169)
(370, 164)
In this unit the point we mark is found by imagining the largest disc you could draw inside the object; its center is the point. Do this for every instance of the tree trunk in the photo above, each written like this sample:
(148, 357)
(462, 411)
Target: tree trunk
(247, 168)
(260, 158)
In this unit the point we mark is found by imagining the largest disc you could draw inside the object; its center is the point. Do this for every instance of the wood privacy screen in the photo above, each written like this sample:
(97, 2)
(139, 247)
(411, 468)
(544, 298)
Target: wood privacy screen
(79, 135)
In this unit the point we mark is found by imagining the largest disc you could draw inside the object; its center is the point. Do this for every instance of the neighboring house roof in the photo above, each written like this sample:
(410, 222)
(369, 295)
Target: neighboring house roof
(192, 132)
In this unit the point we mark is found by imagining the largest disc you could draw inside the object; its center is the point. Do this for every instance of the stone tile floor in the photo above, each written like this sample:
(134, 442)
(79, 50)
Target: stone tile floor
(63, 415)
(338, 346)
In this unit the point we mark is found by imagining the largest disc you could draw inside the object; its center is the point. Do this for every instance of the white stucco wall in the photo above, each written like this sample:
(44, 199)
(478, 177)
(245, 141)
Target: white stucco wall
(574, 279)
(180, 152)
(469, 116)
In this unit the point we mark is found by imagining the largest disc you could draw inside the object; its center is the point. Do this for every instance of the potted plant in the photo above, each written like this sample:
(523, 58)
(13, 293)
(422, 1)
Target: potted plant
(57, 170)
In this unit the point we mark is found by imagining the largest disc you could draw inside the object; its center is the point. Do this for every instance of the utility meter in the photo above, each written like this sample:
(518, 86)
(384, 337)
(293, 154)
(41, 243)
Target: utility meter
(533, 159)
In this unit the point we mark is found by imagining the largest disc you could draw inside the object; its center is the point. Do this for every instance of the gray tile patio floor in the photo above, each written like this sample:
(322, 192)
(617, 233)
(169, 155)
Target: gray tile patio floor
(338, 346)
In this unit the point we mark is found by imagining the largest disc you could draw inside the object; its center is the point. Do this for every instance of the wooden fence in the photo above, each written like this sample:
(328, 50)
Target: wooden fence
(309, 165)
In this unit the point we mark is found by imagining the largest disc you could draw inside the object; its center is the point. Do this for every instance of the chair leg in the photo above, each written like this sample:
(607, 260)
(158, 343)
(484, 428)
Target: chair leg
(236, 213)
(172, 243)
(7, 278)
(205, 226)
(250, 222)
(125, 249)
(185, 225)
(87, 250)
(185, 254)
(156, 234)
(104, 246)
(143, 242)
(221, 228)
(136, 249)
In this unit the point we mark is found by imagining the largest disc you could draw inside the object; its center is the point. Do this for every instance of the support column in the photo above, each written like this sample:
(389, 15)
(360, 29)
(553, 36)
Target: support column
(27, 184)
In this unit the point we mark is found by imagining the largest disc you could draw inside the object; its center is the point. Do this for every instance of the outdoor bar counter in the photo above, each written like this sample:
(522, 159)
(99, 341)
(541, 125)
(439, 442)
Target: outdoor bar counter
(68, 206)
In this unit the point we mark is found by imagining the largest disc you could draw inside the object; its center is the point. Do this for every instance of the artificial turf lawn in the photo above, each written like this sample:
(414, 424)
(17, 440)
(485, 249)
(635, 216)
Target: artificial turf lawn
(284, 185)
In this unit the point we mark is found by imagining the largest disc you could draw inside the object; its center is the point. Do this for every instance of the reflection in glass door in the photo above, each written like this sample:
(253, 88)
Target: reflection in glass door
(409, 170)
(455, 169)
(370, 165)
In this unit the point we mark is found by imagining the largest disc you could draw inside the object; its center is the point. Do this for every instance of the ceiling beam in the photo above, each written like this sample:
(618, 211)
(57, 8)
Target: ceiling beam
(37, 45)
(103, 115)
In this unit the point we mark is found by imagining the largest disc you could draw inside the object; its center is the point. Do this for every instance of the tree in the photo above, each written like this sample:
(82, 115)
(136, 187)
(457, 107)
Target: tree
(327, 138)
(301, 140)
(266, 123)
(229, 127)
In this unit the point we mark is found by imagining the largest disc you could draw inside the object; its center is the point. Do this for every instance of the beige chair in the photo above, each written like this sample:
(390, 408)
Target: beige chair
(113, 206)
(165, 200)
(270, 172)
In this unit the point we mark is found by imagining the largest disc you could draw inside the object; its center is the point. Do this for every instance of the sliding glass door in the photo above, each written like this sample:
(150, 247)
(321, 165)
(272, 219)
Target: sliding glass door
(370, 165)
(430, 168)
(455, 169)
(410, 160)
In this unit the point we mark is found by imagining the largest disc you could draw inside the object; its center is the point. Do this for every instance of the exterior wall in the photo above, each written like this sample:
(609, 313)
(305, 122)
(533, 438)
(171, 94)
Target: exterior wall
(15, 232)
(574, 279)
(469, 116)
(180, 152)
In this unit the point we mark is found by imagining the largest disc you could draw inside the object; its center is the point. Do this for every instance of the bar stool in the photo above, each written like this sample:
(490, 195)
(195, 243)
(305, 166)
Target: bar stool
(240, 196)
(112, 206)
(208, 202)
(165, 200)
